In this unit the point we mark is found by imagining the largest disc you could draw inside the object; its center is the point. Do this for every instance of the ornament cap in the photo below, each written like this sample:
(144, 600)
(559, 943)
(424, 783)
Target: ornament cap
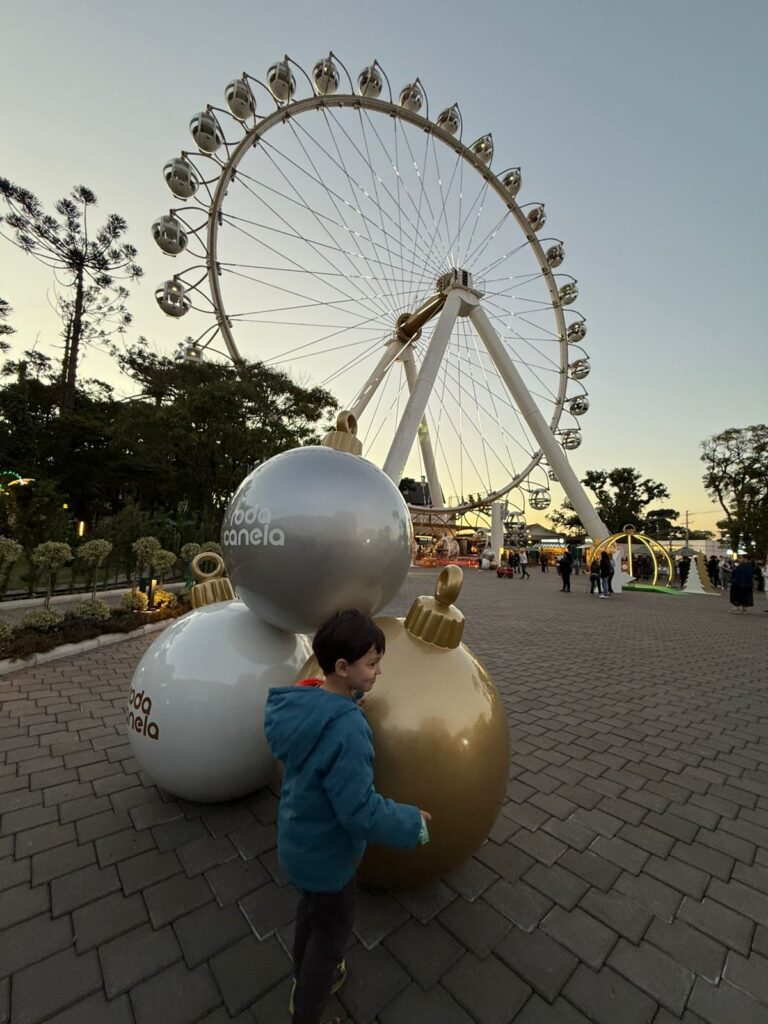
(435, 620)
(211, 586)
(344, 437)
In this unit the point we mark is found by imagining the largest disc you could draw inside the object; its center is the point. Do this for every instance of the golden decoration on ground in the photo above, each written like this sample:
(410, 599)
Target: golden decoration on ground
(655, 550)
(441, 738)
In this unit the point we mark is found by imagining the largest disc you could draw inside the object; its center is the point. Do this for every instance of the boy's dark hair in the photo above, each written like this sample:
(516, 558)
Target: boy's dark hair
(348, 635)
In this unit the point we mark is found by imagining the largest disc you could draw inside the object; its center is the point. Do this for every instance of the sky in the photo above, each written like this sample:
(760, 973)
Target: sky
(641, 125)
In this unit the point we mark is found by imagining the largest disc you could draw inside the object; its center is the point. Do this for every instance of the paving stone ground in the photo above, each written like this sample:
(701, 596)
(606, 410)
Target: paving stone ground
(625, 881)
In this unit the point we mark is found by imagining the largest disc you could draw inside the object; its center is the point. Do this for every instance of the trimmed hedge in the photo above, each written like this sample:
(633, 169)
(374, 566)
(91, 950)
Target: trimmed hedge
(26, 642)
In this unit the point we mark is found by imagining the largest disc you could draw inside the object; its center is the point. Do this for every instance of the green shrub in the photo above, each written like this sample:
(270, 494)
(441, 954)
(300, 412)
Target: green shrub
(162, 562)
(6, 634)
(50, 557)
(92, 610)
(164, 599)
(134, 601)
(10, 553)
(93, 553)
(42, 620)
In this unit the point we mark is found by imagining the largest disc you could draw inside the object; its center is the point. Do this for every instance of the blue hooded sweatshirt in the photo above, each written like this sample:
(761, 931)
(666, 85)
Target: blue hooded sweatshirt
(329, 810)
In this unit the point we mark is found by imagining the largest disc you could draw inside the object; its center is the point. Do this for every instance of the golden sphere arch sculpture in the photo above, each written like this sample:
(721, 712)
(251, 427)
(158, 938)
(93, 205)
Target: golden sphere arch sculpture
(630, 534)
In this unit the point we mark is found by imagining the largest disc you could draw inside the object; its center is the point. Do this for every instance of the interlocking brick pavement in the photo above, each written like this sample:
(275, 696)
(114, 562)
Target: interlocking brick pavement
(626, 879)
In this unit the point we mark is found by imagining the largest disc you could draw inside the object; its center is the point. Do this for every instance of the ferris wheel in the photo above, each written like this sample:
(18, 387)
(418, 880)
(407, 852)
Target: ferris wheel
(341, 233)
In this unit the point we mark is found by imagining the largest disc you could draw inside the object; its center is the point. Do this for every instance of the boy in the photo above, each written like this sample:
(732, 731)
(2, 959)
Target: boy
(329, 809)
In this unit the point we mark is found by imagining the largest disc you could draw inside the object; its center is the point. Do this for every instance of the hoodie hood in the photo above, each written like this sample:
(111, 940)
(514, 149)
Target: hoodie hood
(297, 716)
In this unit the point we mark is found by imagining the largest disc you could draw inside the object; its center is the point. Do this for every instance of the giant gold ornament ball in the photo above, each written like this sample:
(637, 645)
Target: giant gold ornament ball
(442, 743)
(195, 712)
(313, 531)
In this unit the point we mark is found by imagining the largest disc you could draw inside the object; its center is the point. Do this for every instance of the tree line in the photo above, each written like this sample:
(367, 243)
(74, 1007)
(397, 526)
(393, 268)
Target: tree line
(736, 477)
(164, 462)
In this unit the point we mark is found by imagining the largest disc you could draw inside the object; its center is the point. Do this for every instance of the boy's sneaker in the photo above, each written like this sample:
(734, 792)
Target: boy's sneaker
(339, 979)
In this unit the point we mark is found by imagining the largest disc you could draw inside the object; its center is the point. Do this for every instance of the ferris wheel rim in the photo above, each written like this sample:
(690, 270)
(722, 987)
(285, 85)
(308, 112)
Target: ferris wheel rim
(354, 101)
(227, 169)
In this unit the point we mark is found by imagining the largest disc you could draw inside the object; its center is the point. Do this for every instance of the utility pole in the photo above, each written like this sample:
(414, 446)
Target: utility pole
(686, 527)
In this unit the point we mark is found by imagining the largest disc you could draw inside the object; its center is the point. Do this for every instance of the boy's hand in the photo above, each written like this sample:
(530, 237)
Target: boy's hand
(424, 833)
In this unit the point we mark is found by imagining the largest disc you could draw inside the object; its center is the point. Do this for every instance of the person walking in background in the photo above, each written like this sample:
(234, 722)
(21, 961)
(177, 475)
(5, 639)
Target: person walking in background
(605, 573)
(594, 576)
(713, 570)
(543, 561)
(566, 567)
(684, 568)
(757, 576)
(742, 586)
(726, 568)
(523, 563)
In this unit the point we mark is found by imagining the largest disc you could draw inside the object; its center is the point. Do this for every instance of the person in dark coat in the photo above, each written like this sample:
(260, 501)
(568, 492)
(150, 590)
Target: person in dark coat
(606, 571)
(566, 568)
(713, 570)
(684, 568)
(594, 576)
(742, 585)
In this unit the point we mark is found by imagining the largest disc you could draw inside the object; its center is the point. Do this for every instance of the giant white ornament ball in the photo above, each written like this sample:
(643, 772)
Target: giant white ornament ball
(314, 531)
(195, 713)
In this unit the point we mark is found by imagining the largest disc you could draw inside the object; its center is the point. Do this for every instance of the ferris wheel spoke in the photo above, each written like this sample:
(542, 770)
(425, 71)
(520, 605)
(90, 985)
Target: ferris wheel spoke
(302, 237)
(446, 463)
(423, 194)
(377, 203)
(311, 300)
(445, 197)
(518, 289)
(488, 268)
(299, 270)
(400, 183)
(354, 186)
(457, 381)
(486, 241)
(315, 341)
(328, 220)
(458, 386)
(340, 371)
(469, 336)
(228, 219)
(554, 368)
(520, 279)
(363, 299)
(341, 167)
(479, 425)
(455, 240)
(457, 431)
(507, 328)
(351, 232)
(516, 315)
(480, 199)
(502, 395)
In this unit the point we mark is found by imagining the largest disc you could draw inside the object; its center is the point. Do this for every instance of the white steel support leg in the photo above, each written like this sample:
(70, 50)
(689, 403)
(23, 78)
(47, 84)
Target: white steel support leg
(497, 528)
(388, 357)
(427, 455)
(417, 403)
(546, 440)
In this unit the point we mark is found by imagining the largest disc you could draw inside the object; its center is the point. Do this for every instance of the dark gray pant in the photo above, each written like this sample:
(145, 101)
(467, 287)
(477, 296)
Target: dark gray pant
(323, 927)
